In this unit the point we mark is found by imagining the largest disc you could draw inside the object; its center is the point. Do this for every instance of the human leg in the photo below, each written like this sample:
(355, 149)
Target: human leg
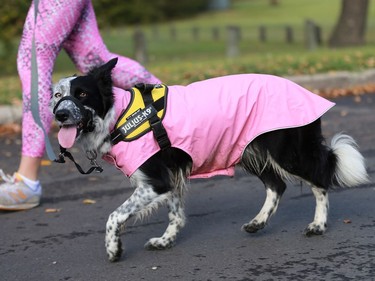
(55, 21)
(29, 167)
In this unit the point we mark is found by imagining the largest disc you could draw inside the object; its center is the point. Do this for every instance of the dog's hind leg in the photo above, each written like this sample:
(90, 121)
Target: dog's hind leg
(319, 225)
(275, 187)
(142, 201)
(176, 222)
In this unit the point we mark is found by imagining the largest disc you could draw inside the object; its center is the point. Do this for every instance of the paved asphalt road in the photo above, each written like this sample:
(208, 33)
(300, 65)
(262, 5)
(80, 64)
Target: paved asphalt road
(69, 244)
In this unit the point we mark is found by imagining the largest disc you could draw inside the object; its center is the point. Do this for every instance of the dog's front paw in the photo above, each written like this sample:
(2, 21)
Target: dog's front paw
(314, 229)
(253, 226)
(114, 250)
(159, 243)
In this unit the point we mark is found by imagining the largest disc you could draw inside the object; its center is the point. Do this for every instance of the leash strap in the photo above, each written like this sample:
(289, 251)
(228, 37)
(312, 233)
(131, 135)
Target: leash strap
(90, 155)
(34, 90)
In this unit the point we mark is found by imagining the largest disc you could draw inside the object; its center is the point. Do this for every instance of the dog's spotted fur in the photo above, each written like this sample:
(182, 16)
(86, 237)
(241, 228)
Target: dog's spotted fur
(273, 157)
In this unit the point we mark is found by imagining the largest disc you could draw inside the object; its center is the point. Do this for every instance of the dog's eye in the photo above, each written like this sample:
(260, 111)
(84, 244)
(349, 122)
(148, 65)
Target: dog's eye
(82, 95)
(58, 95)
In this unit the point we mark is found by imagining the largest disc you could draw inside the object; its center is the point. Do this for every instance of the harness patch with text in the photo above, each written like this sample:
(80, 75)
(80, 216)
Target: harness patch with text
(144, 113)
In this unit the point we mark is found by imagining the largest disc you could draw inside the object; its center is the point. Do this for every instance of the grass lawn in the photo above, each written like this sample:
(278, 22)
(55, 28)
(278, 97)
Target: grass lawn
(186, 58)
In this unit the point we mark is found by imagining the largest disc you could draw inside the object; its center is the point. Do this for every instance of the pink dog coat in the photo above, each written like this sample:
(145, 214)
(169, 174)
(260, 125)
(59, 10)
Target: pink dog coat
(214, 120)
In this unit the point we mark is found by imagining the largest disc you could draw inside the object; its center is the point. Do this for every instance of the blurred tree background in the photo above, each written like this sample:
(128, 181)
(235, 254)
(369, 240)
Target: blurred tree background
(120, 12)
(112, 13)
(12, 17)
(187, 40)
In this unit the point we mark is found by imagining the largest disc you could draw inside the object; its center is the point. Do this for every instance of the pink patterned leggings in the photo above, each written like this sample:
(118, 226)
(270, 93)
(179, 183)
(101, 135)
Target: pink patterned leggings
(69, 25)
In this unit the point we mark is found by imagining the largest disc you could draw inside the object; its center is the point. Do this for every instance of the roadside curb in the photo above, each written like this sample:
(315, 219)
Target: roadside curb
(332, 80)
(10, 114)
(313, 82)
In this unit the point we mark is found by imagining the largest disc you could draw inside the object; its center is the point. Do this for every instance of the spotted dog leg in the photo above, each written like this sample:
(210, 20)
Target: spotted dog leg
(268, 209)
(319, 225)
(275, 187)
(142, 201)
(176, 222)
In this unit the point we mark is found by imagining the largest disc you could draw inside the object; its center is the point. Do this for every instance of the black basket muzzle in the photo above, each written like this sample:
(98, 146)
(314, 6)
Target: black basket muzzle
(86, 116)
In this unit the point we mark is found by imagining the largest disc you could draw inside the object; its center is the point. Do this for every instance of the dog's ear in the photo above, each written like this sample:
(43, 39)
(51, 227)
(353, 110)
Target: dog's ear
(102, 75)
(109, 65)
(104, 71)
(103, 79)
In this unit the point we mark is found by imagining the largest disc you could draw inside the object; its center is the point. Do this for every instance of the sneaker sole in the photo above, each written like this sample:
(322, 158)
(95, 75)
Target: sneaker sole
(18, 207)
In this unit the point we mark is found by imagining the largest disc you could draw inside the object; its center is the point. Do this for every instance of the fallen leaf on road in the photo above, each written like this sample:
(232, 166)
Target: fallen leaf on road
(46, 162)
(343, 113)
(89, 201)
(357, 99)
(8, 154)
(347, 221)
(10, 129)
(348, 91)
(52, 210)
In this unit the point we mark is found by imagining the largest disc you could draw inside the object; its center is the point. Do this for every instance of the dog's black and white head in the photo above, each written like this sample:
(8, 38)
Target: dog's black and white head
(83, 108)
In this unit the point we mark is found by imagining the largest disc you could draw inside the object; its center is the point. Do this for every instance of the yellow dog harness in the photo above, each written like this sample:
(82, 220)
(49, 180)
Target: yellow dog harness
(144, 113)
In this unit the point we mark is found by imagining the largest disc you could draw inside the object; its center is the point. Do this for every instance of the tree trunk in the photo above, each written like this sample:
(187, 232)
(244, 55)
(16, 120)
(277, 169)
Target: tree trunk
(351, 26)
(274, 2)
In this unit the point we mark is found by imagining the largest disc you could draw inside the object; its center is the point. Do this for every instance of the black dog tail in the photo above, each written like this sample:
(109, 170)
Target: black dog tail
(350, 168)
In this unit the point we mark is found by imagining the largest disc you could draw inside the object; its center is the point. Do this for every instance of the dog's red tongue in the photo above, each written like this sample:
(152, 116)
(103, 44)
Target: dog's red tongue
(67, 136)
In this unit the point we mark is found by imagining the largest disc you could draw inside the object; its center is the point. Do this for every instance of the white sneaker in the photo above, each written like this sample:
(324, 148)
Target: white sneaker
(16, 195)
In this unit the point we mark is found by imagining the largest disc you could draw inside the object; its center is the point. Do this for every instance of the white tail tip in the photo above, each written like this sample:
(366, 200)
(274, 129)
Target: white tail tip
(351, 168)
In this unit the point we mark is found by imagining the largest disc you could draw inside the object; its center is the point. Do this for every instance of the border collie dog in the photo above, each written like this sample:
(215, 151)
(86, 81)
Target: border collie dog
(266, 124)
